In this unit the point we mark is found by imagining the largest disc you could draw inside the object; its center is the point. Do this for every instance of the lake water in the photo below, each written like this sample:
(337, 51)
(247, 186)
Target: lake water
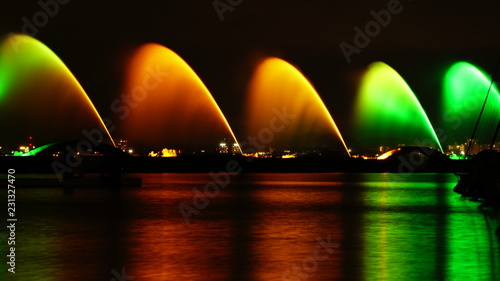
(259, 227)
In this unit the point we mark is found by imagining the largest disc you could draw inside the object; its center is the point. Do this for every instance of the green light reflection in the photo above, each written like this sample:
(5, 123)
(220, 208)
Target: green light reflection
(415, 230)
(473, 250)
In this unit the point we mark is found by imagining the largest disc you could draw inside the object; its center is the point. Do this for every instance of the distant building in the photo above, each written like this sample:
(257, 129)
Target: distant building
(123, 145)
(384, 149)
(228, 146)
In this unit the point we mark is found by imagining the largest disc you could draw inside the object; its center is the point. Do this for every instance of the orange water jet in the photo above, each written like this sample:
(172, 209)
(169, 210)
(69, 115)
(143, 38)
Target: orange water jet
(169, 104)
(277, 86)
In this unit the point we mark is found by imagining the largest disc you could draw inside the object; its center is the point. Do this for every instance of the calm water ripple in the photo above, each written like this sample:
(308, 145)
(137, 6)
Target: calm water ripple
(260, 227)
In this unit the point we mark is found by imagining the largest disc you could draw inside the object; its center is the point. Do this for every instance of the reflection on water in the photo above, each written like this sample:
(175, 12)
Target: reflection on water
(260, 227)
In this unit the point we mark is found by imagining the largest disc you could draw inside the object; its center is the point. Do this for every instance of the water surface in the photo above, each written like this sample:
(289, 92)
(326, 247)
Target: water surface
(259, 227)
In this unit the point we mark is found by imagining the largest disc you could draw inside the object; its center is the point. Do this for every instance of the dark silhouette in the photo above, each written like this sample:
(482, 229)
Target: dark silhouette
(110, 166)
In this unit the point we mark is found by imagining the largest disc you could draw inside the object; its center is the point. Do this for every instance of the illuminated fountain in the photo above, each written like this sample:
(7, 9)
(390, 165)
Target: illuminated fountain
(464, 91)
(169, 104)
(40, 97)
(284, 111)
(388, 113)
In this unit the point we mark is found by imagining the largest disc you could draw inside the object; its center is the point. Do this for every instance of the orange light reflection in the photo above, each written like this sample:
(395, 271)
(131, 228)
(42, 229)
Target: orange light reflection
(283, 239)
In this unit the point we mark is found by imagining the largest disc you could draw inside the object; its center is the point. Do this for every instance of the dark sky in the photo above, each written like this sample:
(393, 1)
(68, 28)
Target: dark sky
(94, 38)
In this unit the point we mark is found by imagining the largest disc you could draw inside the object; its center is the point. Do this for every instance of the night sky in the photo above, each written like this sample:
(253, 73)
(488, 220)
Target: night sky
(95, 39)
